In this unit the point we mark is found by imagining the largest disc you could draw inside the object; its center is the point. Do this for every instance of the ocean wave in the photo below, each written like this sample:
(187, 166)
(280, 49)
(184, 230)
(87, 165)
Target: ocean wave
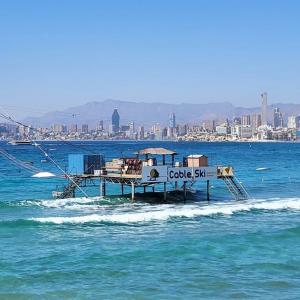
(165, 212)
(69, 203)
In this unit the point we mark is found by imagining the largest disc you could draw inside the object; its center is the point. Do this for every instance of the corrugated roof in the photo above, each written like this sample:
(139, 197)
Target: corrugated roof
(156, 151)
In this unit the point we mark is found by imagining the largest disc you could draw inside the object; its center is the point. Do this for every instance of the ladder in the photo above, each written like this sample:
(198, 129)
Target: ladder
(69, 190)
(236, 188)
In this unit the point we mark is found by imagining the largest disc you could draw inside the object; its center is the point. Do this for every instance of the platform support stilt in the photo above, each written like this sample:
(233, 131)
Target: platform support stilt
(184, 191)
(165, 191)
(153, 190)
(122, 188)
(207, 190)
(104, 188)
(132, 191)
(144, 189)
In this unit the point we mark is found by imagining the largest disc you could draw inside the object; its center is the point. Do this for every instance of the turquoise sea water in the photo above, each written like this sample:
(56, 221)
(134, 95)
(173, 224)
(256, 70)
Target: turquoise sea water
(111, 248)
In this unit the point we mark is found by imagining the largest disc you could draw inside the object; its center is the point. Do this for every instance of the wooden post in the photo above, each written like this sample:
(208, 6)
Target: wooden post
(207, 190)
(132, 191)
(184, 191)
(165, 191)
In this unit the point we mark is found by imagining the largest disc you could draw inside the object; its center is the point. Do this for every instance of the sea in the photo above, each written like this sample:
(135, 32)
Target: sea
(112, 248)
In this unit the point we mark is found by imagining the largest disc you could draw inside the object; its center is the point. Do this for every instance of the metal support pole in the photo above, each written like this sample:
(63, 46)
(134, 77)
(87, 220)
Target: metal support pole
(153, 190)
(144, 189)
(207, 190)
(122, 187)
(165, 191)
(101, 188)
(184, 191)
(132, 191)
(176, 185)
(104, 188)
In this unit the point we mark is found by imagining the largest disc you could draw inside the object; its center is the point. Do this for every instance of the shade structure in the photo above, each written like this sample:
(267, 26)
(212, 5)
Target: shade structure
(156, 151)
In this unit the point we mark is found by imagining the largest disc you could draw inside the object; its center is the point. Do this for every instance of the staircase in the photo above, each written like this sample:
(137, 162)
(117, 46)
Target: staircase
(69, 190)
(236, 188)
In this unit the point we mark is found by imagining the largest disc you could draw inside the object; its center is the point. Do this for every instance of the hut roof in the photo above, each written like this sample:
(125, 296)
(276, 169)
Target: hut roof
(156, 151)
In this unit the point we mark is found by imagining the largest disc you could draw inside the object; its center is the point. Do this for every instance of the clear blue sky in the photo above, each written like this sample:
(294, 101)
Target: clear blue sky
(56, 54)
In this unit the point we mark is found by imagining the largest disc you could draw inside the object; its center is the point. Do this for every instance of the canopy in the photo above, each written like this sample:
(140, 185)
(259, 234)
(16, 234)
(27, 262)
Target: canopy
(156, 151)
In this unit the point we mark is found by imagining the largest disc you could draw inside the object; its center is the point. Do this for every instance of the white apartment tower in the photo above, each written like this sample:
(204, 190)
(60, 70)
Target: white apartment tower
(264, 106)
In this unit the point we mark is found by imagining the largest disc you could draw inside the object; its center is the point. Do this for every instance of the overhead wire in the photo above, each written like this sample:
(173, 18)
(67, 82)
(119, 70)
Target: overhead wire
(16, 161)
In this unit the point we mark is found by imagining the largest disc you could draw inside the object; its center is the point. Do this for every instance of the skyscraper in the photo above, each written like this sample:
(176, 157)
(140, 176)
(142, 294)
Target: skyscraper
(100, 126)
(115, 121)
(256, 121)
(294, 122)
(172, 120)
(246, 120)
(264, 107)
(85, 128)
(73, 128)
(277, 118)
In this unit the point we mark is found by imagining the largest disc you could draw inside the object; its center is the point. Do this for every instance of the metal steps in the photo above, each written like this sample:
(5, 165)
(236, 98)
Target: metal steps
(69, 190)
(236, 188)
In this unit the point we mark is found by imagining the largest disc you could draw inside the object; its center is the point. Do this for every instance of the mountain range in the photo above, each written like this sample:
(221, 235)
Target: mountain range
(148, 113)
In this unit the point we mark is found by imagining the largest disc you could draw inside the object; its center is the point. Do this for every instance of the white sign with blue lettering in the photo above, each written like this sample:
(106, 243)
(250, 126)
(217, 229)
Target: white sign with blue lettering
(191, 174)
(158, 174)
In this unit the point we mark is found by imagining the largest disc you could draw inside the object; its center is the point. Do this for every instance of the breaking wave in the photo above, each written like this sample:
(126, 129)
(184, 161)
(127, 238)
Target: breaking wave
(147, 213)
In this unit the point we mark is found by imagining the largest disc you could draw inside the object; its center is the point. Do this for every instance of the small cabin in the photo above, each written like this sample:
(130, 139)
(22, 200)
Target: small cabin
(196, 161)
(82, 164)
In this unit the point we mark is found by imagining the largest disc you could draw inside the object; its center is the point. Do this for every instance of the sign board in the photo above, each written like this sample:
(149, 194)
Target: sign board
(157, 174)
(191, 174)
(154, 174)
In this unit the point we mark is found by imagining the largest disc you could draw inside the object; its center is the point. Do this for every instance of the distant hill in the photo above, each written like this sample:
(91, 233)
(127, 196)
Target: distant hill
(148, 113)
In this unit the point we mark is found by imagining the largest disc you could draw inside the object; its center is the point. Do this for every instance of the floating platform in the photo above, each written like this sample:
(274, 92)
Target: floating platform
(148, 169)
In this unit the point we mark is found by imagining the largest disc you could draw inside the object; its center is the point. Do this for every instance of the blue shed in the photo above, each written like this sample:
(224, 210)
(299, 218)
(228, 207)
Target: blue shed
(79, 164)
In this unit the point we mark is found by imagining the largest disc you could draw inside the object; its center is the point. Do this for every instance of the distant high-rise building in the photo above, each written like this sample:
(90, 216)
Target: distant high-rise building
(131, 127)
(115, 121)
(64, 128)
(294, 122)
(141, 133)
(277, 118)
(172, 120)
(246, 120)
(73, 128)
(183, 129)
(264, 108)
(100, 126)
(237, 121)
(57, 128)
(85, 128)
(256, 121)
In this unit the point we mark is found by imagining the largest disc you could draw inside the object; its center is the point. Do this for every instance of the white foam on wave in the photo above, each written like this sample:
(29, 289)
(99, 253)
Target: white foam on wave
(59, 203)
(166, 212)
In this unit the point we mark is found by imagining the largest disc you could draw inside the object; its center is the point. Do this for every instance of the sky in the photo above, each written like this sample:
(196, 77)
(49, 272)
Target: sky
(56, 54)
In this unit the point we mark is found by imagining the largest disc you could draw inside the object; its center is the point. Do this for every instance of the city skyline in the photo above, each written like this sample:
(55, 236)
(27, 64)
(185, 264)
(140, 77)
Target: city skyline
(170, 51)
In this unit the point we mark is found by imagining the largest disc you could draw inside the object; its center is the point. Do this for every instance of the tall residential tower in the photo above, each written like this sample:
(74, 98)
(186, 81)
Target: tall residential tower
(264, 107)
(115, 121)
